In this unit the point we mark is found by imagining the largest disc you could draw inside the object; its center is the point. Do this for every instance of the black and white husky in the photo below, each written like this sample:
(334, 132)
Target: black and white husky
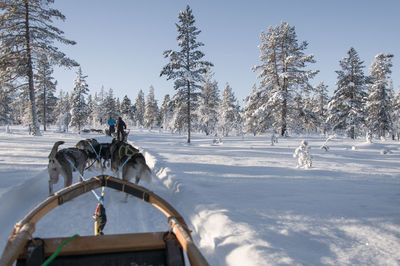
(129, 161)
(95, 150)
(64, 162)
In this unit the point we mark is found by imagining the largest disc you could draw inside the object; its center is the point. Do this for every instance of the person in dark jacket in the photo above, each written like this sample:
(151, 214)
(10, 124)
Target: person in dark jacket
(121, 126)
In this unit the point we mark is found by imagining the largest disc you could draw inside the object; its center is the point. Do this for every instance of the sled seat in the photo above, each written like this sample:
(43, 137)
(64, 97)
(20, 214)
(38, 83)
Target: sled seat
(156, 248)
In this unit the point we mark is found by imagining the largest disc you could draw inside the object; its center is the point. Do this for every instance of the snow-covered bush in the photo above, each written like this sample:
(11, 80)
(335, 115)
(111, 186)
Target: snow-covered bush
(274, 139)
(325, 145)
(303, 154)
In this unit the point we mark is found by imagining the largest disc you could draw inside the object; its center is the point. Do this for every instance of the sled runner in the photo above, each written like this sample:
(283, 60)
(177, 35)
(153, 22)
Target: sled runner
(154, 248)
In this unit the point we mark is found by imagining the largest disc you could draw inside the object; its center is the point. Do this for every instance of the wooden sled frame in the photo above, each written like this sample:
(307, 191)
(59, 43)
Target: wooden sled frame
(24, 229)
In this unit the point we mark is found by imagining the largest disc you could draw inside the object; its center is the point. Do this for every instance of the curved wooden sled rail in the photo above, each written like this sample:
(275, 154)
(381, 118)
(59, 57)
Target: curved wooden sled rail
(24, 229)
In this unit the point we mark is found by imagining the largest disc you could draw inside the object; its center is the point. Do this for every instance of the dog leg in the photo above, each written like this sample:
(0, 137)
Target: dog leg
(67, 174)
(51, 183)
(53, 178)
(81, 170)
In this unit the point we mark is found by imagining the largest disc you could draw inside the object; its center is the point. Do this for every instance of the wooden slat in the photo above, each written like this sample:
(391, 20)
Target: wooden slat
(104, 244)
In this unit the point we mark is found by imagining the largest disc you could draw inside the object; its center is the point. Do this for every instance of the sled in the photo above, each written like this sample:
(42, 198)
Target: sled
(153, 248)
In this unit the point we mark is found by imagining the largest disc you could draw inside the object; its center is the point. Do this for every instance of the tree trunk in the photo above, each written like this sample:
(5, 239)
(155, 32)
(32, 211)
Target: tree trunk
(284, 115)
(188, 111)
(35, 123)
(44, 108)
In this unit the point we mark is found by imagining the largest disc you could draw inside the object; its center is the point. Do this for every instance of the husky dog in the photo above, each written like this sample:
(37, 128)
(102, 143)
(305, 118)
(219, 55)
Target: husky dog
(131, 160)
(120, 151)
(95, 150)
(64, 162)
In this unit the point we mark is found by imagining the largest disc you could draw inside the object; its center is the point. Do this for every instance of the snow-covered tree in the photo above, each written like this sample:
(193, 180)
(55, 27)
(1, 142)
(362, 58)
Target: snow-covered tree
(26, 31)
(208, 104)
(346, 108)
(150, 118)
(256, 120)
(186, 65)
(396, 116)
(229, 115)
(178, 122)
(79, 107)
(126, 109)
(166, 112)
(320, 106)
(7, 98)
(110, 105)
(62, 111)
(45, 89)
(302, 153)
(282, 72)
(140, 107)
(379, 106)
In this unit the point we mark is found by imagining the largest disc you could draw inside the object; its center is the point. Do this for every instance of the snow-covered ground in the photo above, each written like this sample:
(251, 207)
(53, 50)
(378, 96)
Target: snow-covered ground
(244, 199)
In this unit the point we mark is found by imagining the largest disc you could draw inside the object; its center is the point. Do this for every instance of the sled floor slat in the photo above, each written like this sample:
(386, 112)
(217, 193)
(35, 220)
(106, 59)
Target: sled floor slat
(105, 244)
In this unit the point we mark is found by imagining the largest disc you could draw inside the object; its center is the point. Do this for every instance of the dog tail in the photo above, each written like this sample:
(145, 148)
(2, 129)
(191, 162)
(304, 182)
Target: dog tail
(54, 150)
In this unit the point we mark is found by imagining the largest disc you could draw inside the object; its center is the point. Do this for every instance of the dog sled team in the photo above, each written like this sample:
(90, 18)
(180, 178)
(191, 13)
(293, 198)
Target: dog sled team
(119, 155)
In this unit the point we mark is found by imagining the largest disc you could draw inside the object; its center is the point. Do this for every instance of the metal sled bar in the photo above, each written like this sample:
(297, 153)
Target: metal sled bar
(24, 228)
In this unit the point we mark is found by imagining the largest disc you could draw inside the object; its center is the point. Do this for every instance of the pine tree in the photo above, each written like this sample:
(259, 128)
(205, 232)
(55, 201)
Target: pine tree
(379, 103)
(140, 109)
(208, 104)
(80, 110)
(45, 88)
(396, 116)
(346, 108)
(282, 72)
(150, 118)
(62, 111)
(25, 33)
(320, 106)
(179, 122)
(166, 112)
(126, 109)
(256, 120)
(110, 105)
(186, 66)
(228, 112)
(7, 98)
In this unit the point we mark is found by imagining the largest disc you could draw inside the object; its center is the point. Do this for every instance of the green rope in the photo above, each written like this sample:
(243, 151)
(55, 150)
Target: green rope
(55, 254)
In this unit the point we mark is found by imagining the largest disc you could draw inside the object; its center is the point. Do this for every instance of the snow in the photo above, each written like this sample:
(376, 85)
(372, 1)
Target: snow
(244, 200)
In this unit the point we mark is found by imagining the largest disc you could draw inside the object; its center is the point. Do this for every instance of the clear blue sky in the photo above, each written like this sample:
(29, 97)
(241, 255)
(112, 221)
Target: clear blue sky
(120, 43)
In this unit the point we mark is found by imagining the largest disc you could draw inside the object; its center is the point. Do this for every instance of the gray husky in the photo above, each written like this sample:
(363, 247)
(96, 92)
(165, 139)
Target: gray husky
(64, 162)
(127, 159)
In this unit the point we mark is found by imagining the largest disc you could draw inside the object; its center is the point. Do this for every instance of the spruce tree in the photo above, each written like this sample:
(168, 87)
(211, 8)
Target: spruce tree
(186, 65)
(110, 105)
(320, 106)
(208, 104)
(282, 72)
(7, 98)
(79, 110)
(396, 116)
(45, 89)
(228, 112)
(166, 112)
(140, 109)
(346, 108)
(256, 120)
(25, 33)
(379, 106)
(62, 110)
(126, 109)
(150, 117)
